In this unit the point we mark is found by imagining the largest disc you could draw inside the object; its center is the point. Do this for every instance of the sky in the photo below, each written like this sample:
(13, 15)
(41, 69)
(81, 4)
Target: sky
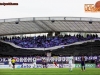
(46, 8)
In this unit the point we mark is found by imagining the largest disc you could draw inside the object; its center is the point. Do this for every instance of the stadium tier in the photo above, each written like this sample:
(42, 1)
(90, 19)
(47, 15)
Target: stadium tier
(63, 45)
(47, 42)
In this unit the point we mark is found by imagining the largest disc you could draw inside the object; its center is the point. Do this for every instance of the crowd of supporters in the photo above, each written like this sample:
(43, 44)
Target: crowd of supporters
(46, 42)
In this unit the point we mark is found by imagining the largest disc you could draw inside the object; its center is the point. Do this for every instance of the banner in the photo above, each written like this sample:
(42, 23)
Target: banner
(59, 60)
(1, 63)
(52, 66)
(66, 65)
(22, 66)
(38, 66)
(86, 65)
(7, 66)
(87, 58)
(31, 66)
(4, 66)
(98, 66)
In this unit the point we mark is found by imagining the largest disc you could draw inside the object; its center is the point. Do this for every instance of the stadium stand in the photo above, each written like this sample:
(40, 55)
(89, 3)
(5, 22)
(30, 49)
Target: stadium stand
(57, 45)
(46, 42)
(86, 48)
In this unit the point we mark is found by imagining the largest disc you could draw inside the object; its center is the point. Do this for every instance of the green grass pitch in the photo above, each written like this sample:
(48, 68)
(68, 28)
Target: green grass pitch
(50, 71)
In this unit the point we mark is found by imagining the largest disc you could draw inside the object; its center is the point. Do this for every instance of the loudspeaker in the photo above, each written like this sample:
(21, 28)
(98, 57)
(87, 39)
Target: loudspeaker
(90, 22)
(52, 21)
(16, 22)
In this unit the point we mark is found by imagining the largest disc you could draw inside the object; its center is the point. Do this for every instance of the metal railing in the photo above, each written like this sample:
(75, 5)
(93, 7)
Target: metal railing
(50, 18)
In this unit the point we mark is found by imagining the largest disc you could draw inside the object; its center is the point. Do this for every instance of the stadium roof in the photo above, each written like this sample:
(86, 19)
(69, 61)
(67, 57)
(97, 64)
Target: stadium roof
(49, 24)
